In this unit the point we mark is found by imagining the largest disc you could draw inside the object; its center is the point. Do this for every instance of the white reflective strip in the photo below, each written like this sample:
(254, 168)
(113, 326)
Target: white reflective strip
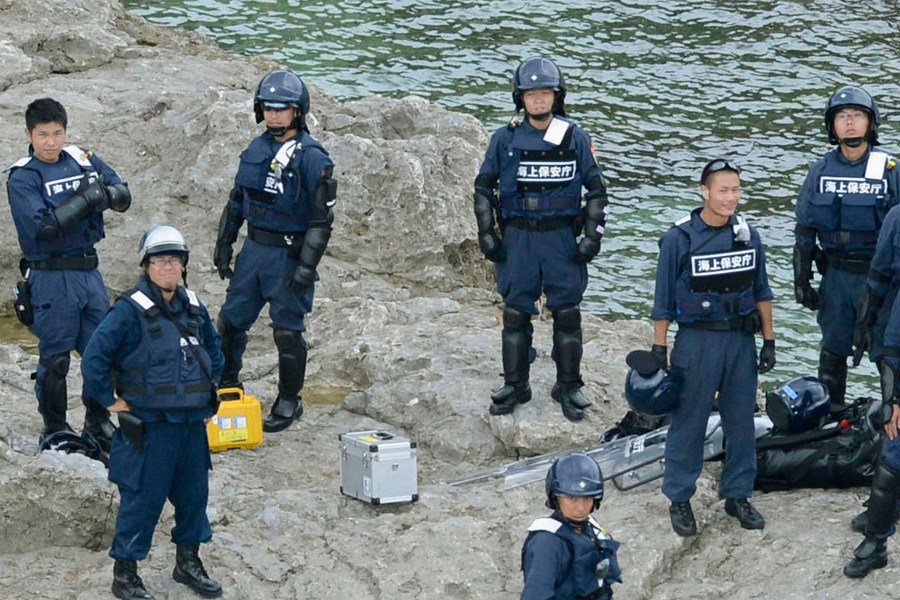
(142, 299)
(876, 164)
(19, 163)
(192, 297)
(78, 154)
(599, 532)
(545, 524)
(683, 220)
(556, 131)
(286, 153)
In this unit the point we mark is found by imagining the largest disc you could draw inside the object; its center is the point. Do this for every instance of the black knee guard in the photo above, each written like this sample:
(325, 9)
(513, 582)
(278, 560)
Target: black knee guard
(515, 343)
(567, 345)
(54, 394)
(234, 342)
(291, 361)
(833, 373)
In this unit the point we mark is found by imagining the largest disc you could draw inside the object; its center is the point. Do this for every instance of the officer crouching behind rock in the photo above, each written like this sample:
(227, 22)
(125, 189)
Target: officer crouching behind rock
(161, 347)
(540, 165)
(711, 279)
(285, 192)
(568, 555)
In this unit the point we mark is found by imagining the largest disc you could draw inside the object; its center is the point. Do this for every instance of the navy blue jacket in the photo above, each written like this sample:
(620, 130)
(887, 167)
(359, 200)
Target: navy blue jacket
(538, 179)
(690, 255)
(125, 339)
(36, 188)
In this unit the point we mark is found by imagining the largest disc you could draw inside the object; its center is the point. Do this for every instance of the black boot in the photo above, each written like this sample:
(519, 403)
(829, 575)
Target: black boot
(291, 374)
(127, 584)
(53, 393)
(872, 552)
(741, 509)
(98, 424)
(682, 517)
(515, 343)
(567, 351)
(860, 521)
(234, 342)
(189, 571)
(833, 373)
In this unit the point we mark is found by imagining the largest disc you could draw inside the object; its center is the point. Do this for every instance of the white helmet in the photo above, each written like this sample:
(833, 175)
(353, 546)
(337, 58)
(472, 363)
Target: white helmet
(163, 239)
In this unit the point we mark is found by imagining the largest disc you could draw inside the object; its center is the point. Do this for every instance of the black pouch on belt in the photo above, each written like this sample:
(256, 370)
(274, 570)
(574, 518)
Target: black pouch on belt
(22, 303)
(752, 323)
(133, 429)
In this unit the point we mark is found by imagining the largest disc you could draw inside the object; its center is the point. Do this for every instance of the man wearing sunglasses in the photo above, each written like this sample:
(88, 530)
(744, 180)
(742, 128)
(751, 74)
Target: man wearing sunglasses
(711, 279)
(841, 207)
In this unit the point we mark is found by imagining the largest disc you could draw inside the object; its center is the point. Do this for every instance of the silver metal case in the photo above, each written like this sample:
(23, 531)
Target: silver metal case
(378, 467)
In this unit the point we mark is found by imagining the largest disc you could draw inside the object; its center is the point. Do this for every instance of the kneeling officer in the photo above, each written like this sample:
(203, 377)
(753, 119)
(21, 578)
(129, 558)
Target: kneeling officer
(568, 555)
(166, 355)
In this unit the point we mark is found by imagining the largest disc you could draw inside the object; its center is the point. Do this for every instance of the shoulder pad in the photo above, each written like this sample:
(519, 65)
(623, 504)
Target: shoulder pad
(557, 130)
(80, 155)
(682, 221)
(192, 298)
(142, 300)
(547, 524)
(876, 165)
(19, 163)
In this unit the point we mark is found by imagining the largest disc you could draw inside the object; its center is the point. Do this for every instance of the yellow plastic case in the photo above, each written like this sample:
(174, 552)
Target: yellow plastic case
(238, 424)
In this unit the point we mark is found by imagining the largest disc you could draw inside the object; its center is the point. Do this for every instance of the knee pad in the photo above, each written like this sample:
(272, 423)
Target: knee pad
(286, 340)
(57, 365)
(567, 318)
(515, 319)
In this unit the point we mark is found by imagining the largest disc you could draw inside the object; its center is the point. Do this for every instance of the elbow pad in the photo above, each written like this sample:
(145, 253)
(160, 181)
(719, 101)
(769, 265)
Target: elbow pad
(484, 213)
(595, 212)
(314, 243)
(325, 196)
(802, 265)
(48, 230)
(119, 197)
(230, 222)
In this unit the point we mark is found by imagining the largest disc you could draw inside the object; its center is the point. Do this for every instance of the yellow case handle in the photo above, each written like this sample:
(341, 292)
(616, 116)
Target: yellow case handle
(225, 394)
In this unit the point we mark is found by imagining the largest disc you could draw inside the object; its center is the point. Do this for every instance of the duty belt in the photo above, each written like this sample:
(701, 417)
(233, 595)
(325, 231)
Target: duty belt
(848, 237)
(85, 262)
(851, 265)
(549, 224)
(273, 238)
(190, 388)
(750, 323)
(603, 592)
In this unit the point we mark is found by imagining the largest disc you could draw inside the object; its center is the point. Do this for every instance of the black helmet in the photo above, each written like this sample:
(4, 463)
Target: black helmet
(649, 389)
(575, 474)
(280, 89)
(852, 96)
(71, 443)
(163, 239)
(798, 405)
(539, 73)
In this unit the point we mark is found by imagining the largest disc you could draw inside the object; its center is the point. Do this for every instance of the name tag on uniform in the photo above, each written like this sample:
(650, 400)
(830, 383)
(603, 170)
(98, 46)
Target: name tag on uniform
(536, 171)
(851, 185)
(709, 265)
(66, 184)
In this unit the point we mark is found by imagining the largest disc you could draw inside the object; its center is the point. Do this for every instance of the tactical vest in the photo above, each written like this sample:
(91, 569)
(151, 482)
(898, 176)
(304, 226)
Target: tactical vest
(539, 178)
(587, 549)
(850, 201)
(59, 181)
(162, 372)
(269, 174)
(716, 282)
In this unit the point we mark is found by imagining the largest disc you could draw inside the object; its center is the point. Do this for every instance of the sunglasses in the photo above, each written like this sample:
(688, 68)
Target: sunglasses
(718, 165)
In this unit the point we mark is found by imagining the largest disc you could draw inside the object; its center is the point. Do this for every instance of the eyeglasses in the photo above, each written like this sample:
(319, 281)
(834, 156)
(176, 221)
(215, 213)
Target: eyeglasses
(167, 261)
(717, 165)
(850, 115)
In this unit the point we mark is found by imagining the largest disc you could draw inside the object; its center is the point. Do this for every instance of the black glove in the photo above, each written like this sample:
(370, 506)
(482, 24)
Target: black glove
(94, 192)
(587, 250)
(661, 352)
(862, 340)
(302, 278)
(806, 295)
(222, 259)
(491, 246)
(767, 356)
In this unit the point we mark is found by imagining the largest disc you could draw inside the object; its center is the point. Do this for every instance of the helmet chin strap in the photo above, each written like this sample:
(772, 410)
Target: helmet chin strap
(278, 131)
(539, 117)
(854, 142)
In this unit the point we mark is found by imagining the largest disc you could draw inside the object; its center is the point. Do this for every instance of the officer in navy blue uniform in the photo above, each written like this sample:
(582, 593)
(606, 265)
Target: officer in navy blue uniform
(57, 195)
(285, 191)
(164, 353)
(711, 279)
(878, 520)
(539, 165)
(568, 555)
(841, 206)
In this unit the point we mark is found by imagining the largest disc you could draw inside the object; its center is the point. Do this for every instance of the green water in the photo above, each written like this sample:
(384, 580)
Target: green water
(660, 85)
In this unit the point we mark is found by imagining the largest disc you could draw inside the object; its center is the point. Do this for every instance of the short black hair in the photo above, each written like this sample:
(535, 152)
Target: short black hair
(716, 165)
(45, 110)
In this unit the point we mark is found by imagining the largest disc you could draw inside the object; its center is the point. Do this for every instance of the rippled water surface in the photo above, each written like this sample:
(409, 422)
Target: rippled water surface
(661, 86)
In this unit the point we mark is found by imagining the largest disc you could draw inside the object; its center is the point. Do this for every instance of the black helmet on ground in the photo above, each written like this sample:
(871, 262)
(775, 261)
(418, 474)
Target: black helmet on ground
(797, 405)
(649, 389)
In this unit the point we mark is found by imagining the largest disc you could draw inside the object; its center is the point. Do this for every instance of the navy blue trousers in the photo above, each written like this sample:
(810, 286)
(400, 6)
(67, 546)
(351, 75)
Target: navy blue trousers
(712, 361)
(839, 296)
(175, 464)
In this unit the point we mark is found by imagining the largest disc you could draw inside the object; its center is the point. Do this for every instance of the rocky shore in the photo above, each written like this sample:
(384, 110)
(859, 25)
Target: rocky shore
(404, 337)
